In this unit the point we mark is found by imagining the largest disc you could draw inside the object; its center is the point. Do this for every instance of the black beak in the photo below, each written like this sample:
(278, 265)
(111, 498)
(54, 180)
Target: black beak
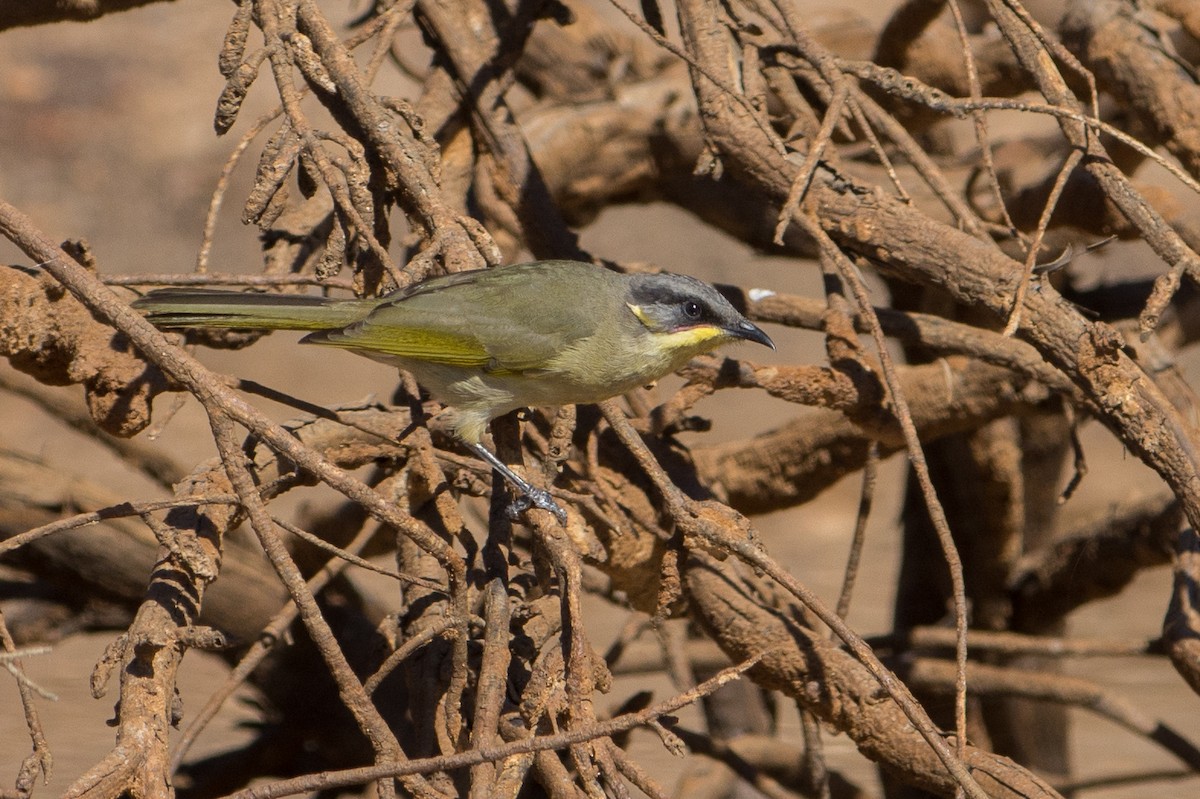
(750, 332)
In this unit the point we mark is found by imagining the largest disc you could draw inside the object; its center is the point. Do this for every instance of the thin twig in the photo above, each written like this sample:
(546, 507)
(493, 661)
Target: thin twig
(850, 275)
(125, 509)
(865, 500)
(1080, 459)
(349, 688)
(978, 117)
(603, 729)
(1010, 643)
(1060, 183)
(747, 549)
(412, 645)
(353, 559)
(39, 762)
(737, 96)
(936, 100)
(225, 279)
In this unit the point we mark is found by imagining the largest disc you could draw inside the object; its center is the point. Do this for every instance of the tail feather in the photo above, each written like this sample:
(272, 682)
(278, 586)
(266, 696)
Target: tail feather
(174, 308)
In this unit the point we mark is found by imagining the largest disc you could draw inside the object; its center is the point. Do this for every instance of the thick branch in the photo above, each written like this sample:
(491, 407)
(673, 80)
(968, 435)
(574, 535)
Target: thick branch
(795, 463)
(830, 683)
(42, 12)
(1131, 62)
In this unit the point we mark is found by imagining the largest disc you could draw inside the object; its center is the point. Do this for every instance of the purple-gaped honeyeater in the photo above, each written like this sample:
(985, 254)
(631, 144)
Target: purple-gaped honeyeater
(489, 341)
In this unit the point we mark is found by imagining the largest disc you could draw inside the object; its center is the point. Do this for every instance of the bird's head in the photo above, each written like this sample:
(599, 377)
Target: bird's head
(686, 315)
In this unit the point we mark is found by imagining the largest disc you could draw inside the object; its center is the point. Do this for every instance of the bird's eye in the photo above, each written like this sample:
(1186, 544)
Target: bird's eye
(691, 309)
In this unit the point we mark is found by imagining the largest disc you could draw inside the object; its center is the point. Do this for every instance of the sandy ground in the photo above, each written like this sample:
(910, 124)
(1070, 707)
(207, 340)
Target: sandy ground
(90, 129)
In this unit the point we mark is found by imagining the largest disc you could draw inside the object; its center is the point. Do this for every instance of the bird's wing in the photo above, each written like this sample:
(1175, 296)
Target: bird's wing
(424, 343)
(503, 337)
(498, 320)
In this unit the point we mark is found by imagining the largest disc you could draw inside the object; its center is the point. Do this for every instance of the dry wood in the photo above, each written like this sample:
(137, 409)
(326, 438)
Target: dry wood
(812, 139)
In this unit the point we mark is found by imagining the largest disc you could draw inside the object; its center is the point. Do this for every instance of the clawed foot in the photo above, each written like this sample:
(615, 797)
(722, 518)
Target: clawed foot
(530, 496)
(537, 498)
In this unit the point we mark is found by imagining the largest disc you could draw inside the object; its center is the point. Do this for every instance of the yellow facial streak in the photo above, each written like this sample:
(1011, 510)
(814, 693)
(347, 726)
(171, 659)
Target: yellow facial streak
(640, 314)
(692, 338)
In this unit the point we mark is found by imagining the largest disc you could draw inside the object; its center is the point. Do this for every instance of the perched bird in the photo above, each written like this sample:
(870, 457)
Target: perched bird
(488, 341)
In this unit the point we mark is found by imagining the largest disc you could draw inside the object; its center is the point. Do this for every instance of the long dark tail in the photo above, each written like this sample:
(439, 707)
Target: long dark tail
(169, 308)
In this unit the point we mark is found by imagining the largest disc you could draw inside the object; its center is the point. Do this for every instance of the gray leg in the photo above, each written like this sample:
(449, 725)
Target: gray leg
(531, 495)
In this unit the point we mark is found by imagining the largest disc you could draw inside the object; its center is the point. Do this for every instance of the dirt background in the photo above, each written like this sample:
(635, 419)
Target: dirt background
(105, 135)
